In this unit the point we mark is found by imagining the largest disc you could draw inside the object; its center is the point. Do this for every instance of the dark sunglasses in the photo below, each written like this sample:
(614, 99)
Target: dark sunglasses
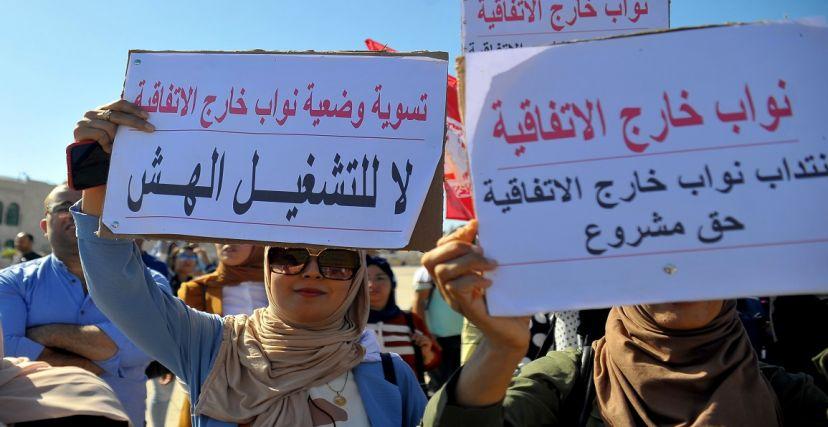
(335, 264)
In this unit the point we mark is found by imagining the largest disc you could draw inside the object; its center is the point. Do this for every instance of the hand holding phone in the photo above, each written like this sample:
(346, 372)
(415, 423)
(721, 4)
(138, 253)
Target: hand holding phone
(87, 159)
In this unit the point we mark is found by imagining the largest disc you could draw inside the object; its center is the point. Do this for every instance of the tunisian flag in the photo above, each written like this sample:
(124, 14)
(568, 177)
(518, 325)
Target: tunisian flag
(457, 180)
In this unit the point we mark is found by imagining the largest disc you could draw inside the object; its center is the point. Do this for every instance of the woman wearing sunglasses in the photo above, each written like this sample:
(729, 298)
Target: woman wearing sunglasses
(304, 360)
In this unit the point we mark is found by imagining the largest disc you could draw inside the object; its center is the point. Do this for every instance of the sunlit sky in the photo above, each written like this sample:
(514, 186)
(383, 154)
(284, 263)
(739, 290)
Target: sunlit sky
(61, 58)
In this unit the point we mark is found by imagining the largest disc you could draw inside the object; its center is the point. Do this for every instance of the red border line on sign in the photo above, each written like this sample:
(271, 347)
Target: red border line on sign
(663, 153)
(564, 32)
(675, 251)
(375, 230)
(321, 135)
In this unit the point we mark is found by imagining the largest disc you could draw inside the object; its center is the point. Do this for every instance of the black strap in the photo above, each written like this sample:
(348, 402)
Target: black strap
(419, 361)
(431, 294)
(578, 404)
(587, 366)
(388, 368)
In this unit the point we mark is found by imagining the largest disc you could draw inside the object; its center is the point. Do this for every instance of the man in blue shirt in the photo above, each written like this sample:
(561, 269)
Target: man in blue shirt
(49, 316)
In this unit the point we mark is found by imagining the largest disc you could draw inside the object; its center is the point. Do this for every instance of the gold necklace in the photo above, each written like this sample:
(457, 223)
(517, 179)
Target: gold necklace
(340, 400)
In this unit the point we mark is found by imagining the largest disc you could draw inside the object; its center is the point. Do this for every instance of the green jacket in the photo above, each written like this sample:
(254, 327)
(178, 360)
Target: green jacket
(536, 398)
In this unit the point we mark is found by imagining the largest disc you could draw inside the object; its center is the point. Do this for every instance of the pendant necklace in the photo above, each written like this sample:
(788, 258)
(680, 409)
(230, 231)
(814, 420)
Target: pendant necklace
(340, 400)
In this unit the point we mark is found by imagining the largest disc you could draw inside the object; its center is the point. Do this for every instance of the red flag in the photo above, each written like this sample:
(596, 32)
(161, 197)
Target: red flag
(457, 180)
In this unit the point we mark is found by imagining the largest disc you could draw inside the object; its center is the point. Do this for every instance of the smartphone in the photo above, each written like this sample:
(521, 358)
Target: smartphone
(87, 165)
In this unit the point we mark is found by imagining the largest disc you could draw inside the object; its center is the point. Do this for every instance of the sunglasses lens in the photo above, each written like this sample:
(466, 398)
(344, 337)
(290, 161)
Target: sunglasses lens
(338, 264)
(287, 260)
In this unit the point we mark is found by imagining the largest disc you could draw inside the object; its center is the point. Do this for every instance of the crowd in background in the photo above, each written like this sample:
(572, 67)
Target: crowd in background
(50, 321)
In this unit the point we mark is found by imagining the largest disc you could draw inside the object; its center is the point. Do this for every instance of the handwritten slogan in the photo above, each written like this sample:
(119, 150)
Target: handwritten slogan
(695, 170)
(321, 149)
(505, 24)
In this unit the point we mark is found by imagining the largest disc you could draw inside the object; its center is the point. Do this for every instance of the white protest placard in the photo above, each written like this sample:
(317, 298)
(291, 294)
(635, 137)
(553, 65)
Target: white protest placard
(324, 149)
(686, 165)
(505, 24)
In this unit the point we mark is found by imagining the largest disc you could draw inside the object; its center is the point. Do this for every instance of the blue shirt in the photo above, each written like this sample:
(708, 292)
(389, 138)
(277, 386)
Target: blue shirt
(441, 319)
(155, 264)
(187, 341)
(43, 291)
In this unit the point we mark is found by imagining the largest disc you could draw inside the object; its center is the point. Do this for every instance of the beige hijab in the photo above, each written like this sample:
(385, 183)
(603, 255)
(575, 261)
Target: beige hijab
(267, 362)
(646, 375)
(31, 391)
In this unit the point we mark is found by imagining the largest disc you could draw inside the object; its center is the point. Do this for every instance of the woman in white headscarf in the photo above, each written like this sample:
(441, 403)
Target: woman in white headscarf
(304, 360)
(66, 395)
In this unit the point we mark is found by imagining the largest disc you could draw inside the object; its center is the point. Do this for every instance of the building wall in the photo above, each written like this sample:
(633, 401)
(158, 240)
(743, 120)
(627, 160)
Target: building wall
(29, 195)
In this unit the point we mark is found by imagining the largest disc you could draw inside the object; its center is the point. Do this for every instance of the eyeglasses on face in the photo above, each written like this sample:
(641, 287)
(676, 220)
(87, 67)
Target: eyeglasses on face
(60, 209)
(186, 256)
(335, 264)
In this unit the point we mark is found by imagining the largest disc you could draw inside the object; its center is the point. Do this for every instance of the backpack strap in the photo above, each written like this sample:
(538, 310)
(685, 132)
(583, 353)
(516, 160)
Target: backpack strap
(388, 368)
(419, 361)
(431, 294)
(578, 404)
(586, 370)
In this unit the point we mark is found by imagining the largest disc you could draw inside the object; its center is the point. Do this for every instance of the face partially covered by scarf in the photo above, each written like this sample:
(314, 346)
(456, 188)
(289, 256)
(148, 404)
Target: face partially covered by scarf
(268, 361)
(648, 375)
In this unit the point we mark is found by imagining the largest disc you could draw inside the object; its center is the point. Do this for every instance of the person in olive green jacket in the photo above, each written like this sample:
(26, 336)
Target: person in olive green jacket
(688, 364)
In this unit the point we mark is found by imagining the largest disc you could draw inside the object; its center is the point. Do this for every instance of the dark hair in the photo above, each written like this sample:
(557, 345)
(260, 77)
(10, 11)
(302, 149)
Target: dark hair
(391, 309)
(27, 235)
(383, 265)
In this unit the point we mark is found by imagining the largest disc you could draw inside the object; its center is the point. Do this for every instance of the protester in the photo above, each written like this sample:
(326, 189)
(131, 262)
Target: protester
(443, 323)
(235, 287)
(305, 359)
(65, 396)
(399, 331)
(49, 316)
(183, 262)
(784, 331)
(658, 364)
(23, 244)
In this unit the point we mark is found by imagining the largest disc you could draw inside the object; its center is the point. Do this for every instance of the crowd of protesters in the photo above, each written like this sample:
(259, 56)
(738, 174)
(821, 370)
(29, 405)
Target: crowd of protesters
(294, 336)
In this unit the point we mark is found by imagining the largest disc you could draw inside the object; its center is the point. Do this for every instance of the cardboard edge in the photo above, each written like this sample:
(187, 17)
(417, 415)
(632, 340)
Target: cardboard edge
(439, 55)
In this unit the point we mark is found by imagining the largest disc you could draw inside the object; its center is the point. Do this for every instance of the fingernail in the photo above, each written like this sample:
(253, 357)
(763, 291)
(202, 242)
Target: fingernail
(149, 127)
(143, 114)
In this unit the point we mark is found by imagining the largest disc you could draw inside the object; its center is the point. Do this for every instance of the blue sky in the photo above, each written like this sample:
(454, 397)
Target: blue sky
(61, 58)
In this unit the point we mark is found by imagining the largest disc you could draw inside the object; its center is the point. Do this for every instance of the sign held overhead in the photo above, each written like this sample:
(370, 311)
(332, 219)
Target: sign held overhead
(505, 24)
(338, 149)
(695, 170)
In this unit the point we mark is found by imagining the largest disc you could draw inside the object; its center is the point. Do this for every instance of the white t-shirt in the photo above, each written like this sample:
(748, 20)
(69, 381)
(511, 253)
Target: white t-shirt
(243, 298)
(325, 412)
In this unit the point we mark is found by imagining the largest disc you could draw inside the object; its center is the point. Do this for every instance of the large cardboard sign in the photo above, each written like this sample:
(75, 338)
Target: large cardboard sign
(505, 24)
(696, 169)
(321, 149)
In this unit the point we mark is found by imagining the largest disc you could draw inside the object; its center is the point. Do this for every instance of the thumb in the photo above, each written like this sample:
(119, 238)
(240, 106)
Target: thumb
(466, 233)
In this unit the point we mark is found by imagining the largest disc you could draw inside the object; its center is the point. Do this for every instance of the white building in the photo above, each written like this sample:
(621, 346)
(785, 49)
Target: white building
(21, 209)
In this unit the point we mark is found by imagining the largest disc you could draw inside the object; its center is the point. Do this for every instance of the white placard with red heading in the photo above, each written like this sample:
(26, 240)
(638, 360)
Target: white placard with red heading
(686, 165)
(324, 149)
(505, 24)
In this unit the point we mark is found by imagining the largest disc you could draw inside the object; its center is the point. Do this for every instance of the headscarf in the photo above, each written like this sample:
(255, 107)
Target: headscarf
(391, 309)
(268, 361)
(647, 375)
(32, 391)
(248, 271)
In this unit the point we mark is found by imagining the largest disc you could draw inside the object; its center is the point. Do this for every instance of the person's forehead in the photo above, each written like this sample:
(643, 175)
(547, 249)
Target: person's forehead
(373, 268)
(62, 195)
